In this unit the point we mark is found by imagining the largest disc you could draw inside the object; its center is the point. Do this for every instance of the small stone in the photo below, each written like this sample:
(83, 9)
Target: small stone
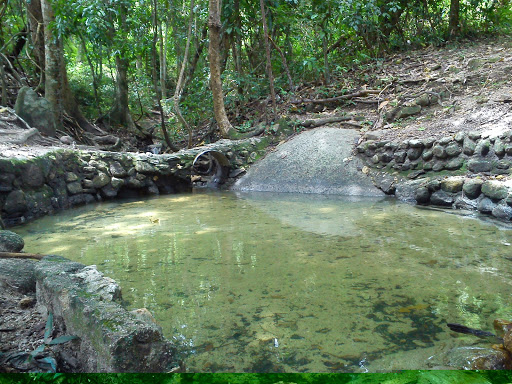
(414, 153)
(445, 140)
(427, 155)
(27, 302)
(410, 110)
(483, 147)
(70, 177)
(33, 176)
(375, 159)
(144, 167)
(462, 202)
(400, 156)
(117, 170)
(11, 242)
(15, 202)
(459, 137)
(438, 166)
(441, 198)
(429, 142)
(494, 189)
(101, 180)
(117, 183)
(428, 166)
(503, 164)
(499, 147)
(502, 212)
(385, 157)
(472, 188)
(508, 150)
(453, 149)
(454, 164)
(422, 195)
(469, 146)
(439, 152)
(452, 184)
(479, 165)
(68, 140)
(75, 188)
(473, 135)
(486, 205)
(434, 185)
(414, 143)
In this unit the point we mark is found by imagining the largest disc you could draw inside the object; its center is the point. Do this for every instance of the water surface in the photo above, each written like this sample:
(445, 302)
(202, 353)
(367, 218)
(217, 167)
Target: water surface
(269, 283)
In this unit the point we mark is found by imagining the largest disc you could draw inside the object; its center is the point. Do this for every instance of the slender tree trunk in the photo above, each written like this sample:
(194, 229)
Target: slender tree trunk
(219, 110)
(163, 60)
(269, 59)
(93, 74)
(197, 55)
(53, 63)
(325, 49)
(167, 138)
(179, 85)
(454, 18)
(285, 63)
(3, 101)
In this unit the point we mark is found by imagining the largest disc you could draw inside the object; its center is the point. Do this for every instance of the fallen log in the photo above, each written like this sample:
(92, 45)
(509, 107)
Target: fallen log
(362, 93)
(314, 123)
(16, 255)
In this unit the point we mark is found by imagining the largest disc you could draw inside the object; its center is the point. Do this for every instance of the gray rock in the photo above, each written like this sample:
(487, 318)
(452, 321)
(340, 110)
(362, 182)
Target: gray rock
(438, 166)
(143, 167)
(434, 185)
(109, 191)
(508, 149)
(406, 191)
(473, 135)
(454, 164)
(117, 183)
(15, 202)
(70, 177)
(6, 180)
(18, 274)
(452, 184)
(422, 195)
(117, 170)
(375, 159)
(36, 111)
(445, 140)
(441, 198)
(494, 189)
(459, 137)
(499, 147)
(428, 165)
(453, 149)
(472, 188)
(101, 180)
(439, 152)
(479, 165)
(462, 202)
(502, 212)
(400, 156)
(75, 188)
(414, 153)
(32, 176)
(414, 143)
(427, 155)
(483, 147)
(503, 164)
(68, 140)
(429, 142)
(469, 146)
(10, 242)
(486, 205)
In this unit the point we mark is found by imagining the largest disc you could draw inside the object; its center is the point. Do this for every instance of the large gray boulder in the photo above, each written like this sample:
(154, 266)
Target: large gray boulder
(316, 161)
(36, 111)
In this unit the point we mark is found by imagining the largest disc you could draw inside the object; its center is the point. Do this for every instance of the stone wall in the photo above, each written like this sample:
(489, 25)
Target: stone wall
(463, 152)
(60, 179)
(465, 171)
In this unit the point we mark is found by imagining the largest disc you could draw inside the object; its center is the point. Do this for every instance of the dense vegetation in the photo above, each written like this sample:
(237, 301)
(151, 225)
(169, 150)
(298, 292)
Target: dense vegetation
(124, 61)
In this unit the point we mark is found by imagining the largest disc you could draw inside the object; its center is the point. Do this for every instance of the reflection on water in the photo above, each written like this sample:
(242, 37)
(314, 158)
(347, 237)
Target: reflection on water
(269, 283)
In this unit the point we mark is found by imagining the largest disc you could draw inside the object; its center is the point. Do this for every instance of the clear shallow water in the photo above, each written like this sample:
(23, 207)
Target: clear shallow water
(266, 283)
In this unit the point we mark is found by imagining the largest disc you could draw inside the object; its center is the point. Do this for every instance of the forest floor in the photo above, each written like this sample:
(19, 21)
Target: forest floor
(462, 87)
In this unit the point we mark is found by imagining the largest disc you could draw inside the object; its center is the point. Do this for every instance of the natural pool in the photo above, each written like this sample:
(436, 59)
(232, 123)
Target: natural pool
(281, 282)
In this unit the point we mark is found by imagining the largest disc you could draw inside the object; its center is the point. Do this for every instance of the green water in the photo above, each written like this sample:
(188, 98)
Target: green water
(269, 283)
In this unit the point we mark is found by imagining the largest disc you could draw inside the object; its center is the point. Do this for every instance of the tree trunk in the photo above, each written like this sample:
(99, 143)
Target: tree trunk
(454, 18)
(121, 110)
(53, 63)
(219, 110)
(163, 60)
(269, 58)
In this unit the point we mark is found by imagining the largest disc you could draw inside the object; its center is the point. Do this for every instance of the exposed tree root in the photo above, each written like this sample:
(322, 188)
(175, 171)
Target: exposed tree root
(362, 93)
(15, 255)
